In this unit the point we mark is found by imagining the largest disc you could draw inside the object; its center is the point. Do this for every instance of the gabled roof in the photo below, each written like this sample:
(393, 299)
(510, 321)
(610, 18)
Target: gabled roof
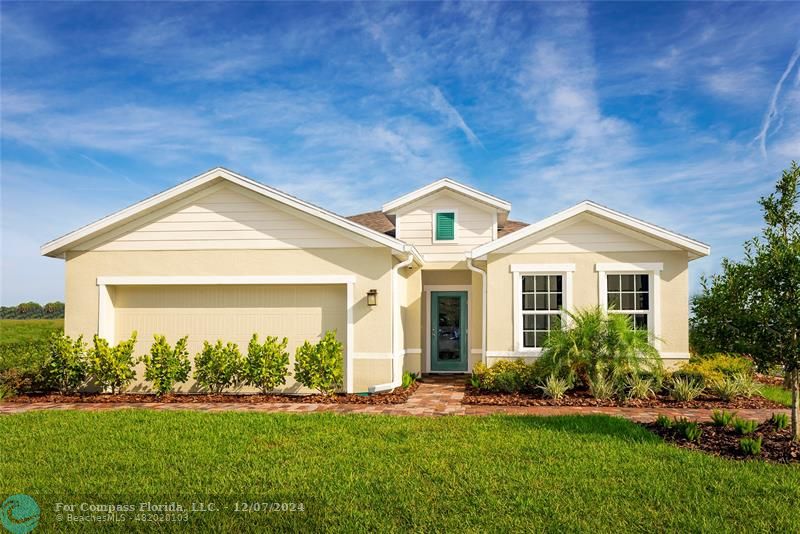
(377, 220)
(57, 247)
(695, 248)
(447, 184)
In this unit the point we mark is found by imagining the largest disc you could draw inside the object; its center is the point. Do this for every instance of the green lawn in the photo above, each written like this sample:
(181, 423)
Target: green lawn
(28, 330)
(777, 394)
(357, 473)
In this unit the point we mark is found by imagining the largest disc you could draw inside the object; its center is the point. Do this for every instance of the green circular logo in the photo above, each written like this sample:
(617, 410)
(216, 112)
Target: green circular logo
(20, 514)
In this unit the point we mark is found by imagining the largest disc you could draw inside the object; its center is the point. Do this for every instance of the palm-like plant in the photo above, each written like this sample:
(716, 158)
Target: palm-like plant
(595, 342)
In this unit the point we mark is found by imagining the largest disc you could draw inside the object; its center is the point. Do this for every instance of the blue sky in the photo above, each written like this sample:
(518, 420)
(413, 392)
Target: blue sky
(681, 114)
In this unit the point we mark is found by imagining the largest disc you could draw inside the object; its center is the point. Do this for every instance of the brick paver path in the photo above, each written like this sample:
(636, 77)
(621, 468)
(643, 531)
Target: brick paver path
(436, 395)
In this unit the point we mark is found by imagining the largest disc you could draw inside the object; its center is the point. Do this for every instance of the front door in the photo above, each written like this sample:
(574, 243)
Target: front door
(449, 347)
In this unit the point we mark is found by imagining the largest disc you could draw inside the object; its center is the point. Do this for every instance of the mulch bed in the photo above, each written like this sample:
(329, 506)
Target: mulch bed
(577, 397)
(776, 445)
(396, 396)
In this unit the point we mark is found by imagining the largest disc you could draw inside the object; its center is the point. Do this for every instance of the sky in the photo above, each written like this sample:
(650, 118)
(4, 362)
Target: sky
(680, 114)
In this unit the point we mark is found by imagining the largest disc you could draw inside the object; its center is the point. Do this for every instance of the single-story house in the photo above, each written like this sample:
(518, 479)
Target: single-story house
(435, 281)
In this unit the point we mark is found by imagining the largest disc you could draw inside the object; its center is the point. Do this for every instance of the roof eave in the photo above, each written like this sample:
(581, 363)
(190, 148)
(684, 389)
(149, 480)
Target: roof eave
(446, 183)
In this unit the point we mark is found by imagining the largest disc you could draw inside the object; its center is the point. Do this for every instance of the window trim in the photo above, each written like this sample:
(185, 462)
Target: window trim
(454, 211)
(537, 269)
(653, 271)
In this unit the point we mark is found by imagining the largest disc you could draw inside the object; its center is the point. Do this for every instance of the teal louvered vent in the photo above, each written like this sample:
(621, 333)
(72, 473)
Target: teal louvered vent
(445, 226)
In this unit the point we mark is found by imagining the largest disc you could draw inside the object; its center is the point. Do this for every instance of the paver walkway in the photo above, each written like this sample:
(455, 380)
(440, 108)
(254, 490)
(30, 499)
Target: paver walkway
(436, 395)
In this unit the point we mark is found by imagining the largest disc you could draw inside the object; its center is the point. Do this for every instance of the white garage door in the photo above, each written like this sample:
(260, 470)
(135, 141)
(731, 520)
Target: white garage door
(230, 313)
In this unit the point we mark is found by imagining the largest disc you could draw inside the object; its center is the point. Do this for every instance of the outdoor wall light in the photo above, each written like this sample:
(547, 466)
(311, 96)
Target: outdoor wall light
(372, 297)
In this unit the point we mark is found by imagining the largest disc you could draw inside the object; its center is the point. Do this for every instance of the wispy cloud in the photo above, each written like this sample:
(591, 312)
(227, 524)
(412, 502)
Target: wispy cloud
(772, 112)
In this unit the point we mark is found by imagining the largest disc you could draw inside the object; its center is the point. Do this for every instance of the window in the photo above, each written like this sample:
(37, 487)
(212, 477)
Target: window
(445, 226)
(542, 304)
(630, 294)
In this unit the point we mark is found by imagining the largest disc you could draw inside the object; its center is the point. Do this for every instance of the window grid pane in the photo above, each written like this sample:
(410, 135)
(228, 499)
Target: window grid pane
(542, 300)
(629, 294)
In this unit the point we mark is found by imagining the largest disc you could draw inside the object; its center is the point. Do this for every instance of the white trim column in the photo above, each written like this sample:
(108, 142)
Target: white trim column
(105, 313)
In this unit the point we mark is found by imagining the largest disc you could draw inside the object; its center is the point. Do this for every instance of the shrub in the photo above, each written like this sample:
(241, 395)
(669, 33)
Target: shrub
(409, 379)
(601, 387)
(685, 389)
(505, 376)
(165, 366)
(744, 426)
(715, 367)
(218, 366)
(554, 387)
(747, 385)
(663, 421)
(598, 341)
(725, 388)
(639, 387)
(267, 365)
(67, 366)
(688, 429)
(722, 418)
(750, 446)
(779, 420)
(112, 367)
(320, 366)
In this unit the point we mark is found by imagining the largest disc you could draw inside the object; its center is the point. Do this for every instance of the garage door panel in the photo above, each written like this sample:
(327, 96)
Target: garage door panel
(229, 313)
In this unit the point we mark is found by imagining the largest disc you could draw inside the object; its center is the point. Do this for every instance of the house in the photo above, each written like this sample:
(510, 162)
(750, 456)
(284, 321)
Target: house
(436, 281)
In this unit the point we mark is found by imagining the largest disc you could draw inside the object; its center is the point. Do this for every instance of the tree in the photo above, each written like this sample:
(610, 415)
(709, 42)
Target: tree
(753, 305)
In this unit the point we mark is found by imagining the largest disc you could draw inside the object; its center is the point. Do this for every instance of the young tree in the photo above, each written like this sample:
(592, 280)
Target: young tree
(753, 305)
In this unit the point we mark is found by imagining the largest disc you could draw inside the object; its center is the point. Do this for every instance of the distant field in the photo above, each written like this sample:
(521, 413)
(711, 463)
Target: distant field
(28, 330)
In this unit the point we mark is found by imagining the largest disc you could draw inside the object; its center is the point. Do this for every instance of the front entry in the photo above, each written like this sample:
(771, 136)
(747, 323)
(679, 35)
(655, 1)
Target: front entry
(449, 347)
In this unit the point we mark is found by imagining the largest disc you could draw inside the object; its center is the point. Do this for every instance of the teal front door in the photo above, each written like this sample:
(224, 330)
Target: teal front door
(449, 347)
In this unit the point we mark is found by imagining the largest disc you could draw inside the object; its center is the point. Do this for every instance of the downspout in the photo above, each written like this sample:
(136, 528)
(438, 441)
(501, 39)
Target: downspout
(484, 305)
(397, 377)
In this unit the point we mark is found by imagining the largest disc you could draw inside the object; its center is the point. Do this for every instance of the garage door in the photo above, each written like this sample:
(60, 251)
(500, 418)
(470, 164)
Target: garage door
(229, 312)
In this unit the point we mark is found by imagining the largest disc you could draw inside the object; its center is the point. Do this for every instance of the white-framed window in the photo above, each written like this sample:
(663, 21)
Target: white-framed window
(444, 225)
(629, 294)
(541, 294)
(632, 289)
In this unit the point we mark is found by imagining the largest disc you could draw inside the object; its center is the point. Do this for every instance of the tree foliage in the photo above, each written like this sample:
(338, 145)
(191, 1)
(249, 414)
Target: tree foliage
(33, 310)
(165, 366)
(320, 366)
(753, 305)
(112, 367)
(218, 366)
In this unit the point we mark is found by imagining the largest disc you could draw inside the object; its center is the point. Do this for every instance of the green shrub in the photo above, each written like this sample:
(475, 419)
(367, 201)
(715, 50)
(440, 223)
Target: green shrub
(780, 421)
(663, 421)
(112, 367)
(320, 366)
(267, 365)
(722, 418)
(505, 376)
(750, 446)
(554, 387)
(744, 426)
(685, 389)
(409, 379)
(597, 341)
(602, 387)
(725, 388)
(639, 387)
(715, 367)
(218, 366)
(66, 369)
(747, 385)
(688, 429)
(165, 366)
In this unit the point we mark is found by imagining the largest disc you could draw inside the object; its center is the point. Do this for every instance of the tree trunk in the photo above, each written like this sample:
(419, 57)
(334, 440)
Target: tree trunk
(795, 384)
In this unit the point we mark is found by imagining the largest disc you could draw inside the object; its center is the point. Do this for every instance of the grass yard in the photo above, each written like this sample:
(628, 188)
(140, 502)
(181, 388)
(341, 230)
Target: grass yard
(28, 330)
(777, 394)
(357, 473)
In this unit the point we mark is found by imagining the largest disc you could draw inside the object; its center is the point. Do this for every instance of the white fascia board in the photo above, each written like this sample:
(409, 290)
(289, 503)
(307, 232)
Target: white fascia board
(224, 280)
(696, 248)
(447, 183)
(57, 246)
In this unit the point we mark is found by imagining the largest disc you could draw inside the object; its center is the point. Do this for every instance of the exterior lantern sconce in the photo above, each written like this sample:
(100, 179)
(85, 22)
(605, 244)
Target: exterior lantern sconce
(372, 297)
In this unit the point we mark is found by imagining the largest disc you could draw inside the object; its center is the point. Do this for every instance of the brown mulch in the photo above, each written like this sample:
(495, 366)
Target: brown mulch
(776, 445)
(577, 397)
(396, 396)
(769, 379)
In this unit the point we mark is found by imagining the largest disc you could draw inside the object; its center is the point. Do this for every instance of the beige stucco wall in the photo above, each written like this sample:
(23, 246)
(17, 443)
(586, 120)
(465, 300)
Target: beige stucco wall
(371, 267)
(674, 292)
